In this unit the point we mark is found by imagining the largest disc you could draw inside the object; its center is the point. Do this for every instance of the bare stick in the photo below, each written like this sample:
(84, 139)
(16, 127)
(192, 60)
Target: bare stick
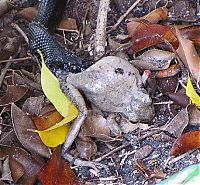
(101, 29)
(15, 26)
(79, 162)
(111, 152)
(3, 72)
(126, 144)
(17, 60)
(124, 16)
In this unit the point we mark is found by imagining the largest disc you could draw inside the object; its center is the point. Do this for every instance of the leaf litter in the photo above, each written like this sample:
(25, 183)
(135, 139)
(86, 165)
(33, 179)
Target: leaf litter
(172, 117)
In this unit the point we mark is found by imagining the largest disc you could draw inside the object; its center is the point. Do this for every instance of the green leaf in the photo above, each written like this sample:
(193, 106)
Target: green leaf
(188, 176)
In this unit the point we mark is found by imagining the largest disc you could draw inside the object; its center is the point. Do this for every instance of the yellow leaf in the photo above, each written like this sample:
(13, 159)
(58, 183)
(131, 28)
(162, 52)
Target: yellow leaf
(56, 134)
(192, 94)
(55, 137)
(51, 88)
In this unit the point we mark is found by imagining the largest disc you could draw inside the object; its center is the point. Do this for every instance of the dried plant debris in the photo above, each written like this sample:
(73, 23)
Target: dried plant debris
(154, 59)
(176, 126)
(186, 142)
(22, 125)
(150, 64)
(57, 171)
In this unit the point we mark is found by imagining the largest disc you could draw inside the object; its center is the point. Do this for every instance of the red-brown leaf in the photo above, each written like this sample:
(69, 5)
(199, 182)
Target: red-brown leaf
(150, 35)
(159, 14)
(168, 84)
(47, 120)
(188, 141)
(28, 13)
(57, 172)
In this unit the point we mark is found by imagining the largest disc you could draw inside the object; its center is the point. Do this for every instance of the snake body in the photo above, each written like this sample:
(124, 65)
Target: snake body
(58, 59)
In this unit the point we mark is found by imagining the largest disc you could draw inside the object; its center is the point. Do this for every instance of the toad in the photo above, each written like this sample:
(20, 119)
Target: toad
(112, 84)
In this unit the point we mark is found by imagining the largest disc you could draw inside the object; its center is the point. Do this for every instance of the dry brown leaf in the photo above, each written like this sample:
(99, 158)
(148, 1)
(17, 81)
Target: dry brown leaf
(96, 126)
(16, 168)
(86, 147)
(194, 115)
(30, 140)
(147, 173)
(177, 124)
(154, 59)
(68, 24)
(188, 55)
(14, 93)
(30, 165)
(143, 152)
(188, 141)
(192, 33)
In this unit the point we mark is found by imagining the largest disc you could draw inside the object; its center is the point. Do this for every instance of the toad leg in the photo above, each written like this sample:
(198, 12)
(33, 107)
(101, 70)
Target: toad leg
(76, 97)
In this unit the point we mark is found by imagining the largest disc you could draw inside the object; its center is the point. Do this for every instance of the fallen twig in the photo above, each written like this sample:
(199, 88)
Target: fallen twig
(111, 152)
(100, 39)
(17, 60)
(79, 162)
(15, 26)
(3, 72)
(127, 144)
(124, 16)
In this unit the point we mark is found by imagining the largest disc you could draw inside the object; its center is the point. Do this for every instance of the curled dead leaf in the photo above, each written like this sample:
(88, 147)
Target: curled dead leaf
(143, 152)
(154, 59)
(170, 71)
(86, 147)
(186, 142)
(159, 14)
(188, 55)
(179, 98)
(96, 126)
(192, 33)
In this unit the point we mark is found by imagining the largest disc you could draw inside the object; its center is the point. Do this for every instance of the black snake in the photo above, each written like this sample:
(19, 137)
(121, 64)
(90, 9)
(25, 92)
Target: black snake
(56, 57)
